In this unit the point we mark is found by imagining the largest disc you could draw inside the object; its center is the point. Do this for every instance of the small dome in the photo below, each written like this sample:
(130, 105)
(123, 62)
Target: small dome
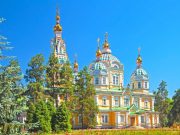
(98, 53)
(76, 64)
(57, 27)
(139, 74)
(109, 57)
(57, 17)
(106, 45)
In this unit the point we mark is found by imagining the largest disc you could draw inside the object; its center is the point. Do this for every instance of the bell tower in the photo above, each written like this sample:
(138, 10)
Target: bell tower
(57, 43)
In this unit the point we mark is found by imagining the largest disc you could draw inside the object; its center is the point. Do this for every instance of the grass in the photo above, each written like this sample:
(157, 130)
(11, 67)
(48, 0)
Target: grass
(164, 131)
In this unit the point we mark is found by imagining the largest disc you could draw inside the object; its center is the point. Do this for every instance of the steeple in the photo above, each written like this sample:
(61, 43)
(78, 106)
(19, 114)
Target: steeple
(57, 27)
(139, 59)
(106, 48)
(57, 43)
(98, 52)
(75, 64)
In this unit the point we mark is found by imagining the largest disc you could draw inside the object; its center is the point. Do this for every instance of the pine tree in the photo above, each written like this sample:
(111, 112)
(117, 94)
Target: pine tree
(162, 103)
(12, 99)
(61, 118)
(174, 115)
(35, 77)
(86, 106)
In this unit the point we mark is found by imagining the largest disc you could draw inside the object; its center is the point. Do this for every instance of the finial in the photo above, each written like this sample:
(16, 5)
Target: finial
(139, 50)
(98, 41)
(75, 63)
(57, 27)
(57, 10)
(139, 59)
(106, 36)
(98, 52)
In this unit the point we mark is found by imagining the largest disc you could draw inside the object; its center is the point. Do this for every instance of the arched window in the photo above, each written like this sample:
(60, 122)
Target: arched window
(104, 80)
(115, 80)
(126, 101)
(139, 85)
(96, 80)
(136, 102)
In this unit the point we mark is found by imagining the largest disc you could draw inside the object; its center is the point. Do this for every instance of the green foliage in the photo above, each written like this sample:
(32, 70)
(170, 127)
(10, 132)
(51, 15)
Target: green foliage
(174, 115)
(35, 77)
(162, 103)
(52, 71)
(41, 112)
(12, 98)
(61, 119)
(85, 92)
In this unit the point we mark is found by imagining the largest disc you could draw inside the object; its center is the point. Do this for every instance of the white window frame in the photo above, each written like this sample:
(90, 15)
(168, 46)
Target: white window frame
(104, 101)
(142, 119)
(146, 104)
(136, 101)
(146, 85)
(126, 98)
(116, 101)
(104, 80)
(139, 85)
(104, 118)
(122, 118)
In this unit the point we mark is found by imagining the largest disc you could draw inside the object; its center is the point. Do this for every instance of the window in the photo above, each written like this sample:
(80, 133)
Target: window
(104, 100)
(115, 79)
(146, 104)
(126, 101)
(122, 118)
(79, 119)
(136, 101)
(104, 118)
(142, 119)
(132, 85)
(104, 80)
(139, 85)
(116, 101)
(146, 85)
(96, 80)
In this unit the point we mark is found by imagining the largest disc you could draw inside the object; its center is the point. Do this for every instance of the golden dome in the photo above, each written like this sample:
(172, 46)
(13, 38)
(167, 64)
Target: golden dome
(57, 17)
(57, 27)
(106, 44)
(76, 64)
(98, 53)
(139, 60)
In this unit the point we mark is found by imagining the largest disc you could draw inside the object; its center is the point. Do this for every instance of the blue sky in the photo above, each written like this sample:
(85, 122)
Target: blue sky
(153, 25)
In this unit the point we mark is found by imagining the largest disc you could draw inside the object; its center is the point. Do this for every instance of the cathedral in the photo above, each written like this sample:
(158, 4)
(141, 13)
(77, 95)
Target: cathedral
(119, 106)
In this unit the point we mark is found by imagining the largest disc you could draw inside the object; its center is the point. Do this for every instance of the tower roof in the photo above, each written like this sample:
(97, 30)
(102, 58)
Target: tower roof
(57, 27)
(106, 47)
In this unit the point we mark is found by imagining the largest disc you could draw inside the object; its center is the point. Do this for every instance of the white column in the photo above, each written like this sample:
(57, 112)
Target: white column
(127, 119)
(140, 100)
(153, 120)
(112, 101)
(121, 101)
(153, 104)
(96, 99)
(139, 120)
(132, 100)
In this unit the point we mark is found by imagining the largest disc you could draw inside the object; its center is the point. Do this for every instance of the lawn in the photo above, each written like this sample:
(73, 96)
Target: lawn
(123, 132)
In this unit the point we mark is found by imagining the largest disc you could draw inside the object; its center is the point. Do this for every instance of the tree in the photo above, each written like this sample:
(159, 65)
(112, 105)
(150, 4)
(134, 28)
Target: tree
(86, 106)
(174, 115)
(61, 118)
(162, 103)
(12, 99)
(35, 77)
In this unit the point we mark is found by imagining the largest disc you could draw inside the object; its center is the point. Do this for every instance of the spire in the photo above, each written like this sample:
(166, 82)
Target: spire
(139, 59)
(57, 27)
(76, 64)
(98, 52)
(106, 44)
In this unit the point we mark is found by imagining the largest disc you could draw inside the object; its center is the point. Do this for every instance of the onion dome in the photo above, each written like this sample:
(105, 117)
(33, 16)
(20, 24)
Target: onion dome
(57, 27)
(98, 52)
(106, 48)
(76, 64)
(139, 59)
